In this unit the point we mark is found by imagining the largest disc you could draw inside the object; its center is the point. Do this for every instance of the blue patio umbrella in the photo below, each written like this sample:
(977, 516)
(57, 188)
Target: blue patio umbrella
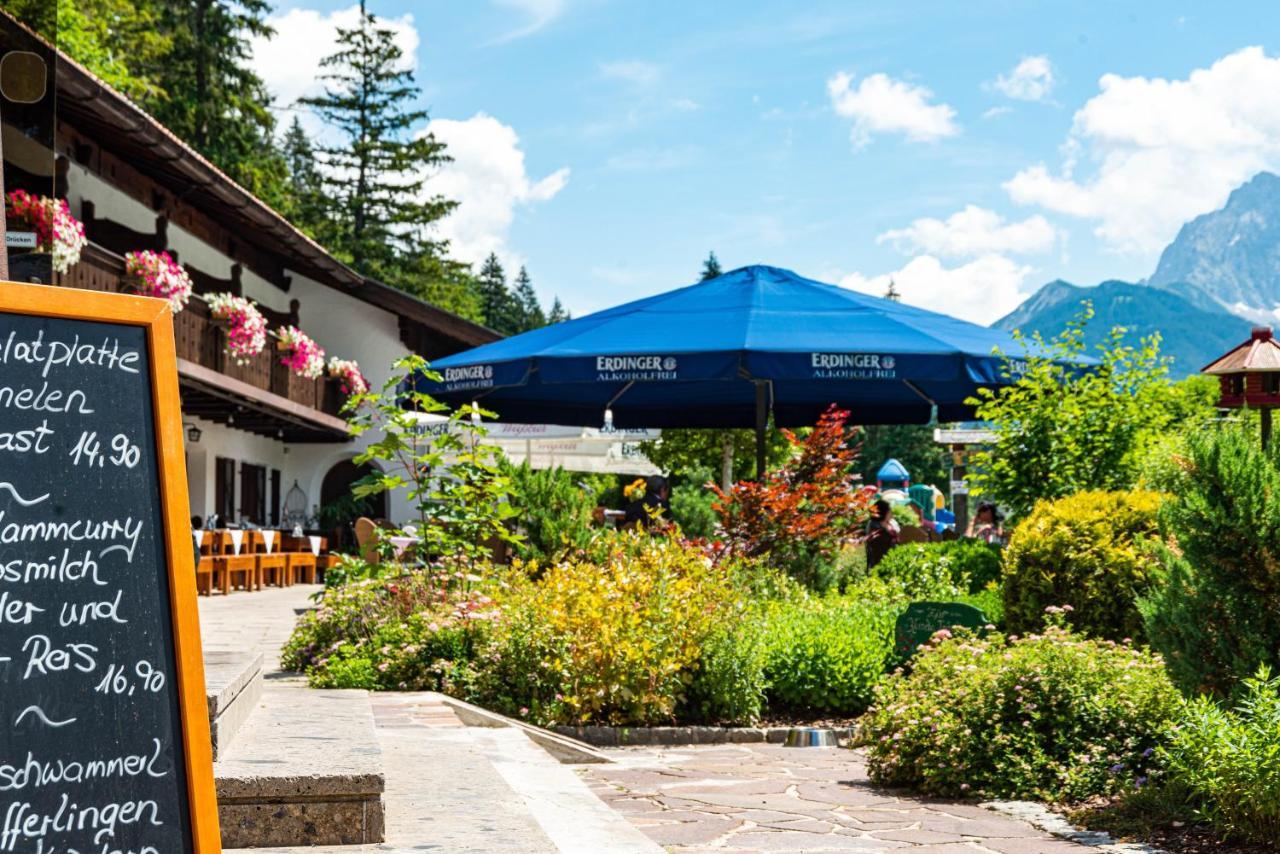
(728, 351)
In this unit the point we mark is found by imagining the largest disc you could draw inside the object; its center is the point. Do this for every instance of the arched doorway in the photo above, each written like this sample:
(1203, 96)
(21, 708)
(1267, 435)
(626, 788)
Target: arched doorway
(339, 508)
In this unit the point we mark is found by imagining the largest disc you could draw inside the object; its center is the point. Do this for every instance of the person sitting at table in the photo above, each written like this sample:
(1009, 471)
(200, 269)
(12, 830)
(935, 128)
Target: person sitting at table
(985, 524)
(653, 506)
(882, 532)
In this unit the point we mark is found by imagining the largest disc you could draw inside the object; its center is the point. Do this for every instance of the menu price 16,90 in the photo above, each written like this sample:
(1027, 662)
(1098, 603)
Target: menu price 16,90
(104, 743)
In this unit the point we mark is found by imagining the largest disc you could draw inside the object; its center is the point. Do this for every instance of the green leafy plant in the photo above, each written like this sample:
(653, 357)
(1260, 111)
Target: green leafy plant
(1229, 760)
(827, 654)
(1063, 428)
(1051, 716)
(454, 482)
(922, 567)
(554, 513)
(693, 504)
(1088, 551)
(1214, 606)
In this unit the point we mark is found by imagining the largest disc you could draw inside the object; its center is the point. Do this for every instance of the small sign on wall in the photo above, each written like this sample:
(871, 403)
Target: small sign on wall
(959, 487)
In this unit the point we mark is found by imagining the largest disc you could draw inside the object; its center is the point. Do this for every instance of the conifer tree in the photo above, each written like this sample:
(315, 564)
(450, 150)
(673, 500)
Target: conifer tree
(500, 308)
(306, 200)
(208, 94)
(711, 267)
(374, 177)
(531, 313)
(557, 314)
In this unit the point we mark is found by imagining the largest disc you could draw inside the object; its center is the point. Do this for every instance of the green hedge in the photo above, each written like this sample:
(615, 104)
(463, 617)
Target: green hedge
(921, 567)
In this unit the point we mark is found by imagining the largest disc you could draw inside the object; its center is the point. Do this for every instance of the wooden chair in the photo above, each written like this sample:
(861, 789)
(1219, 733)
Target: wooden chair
(324, 562)
(272, 565)
(302, 567)
(238, 570)
(206, 571)
(367, 539)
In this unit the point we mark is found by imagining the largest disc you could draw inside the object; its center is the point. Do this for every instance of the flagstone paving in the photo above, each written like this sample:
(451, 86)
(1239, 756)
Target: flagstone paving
(765, 798)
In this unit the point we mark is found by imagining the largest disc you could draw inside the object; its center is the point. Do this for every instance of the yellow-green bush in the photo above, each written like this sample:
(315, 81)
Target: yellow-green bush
(623, 635)
(1086, 551)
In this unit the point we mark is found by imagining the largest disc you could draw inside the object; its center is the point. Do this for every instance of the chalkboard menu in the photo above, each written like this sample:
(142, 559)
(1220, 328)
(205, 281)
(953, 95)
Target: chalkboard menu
(97, 721)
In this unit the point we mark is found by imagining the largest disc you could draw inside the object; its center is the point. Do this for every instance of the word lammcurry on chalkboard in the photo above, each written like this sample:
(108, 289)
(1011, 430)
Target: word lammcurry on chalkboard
(104, 739)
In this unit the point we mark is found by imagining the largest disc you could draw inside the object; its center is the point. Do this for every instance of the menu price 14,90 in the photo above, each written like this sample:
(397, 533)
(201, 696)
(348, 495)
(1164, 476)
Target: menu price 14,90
(104, 743)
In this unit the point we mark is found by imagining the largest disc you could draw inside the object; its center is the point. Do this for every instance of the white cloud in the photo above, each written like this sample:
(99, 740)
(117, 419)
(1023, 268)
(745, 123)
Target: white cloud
(980, 291)
(1030, 80)
(880, 104)
(289, 61)
(1163, 151)
(632, 71)
(971, 232)
(489, 181)
(537, 14)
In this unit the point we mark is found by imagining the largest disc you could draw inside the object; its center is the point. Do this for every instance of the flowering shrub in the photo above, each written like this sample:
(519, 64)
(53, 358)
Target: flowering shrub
(410, 632)
(800, 514)
(246, 327)
(623, 640)
(1226, 759)
(1088, 550)
(301, 355)
(156, 274)
(1051, 716)
(348, 375)
(57, 231)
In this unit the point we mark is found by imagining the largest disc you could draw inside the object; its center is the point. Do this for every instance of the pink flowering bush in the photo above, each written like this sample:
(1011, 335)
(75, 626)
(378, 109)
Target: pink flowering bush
(348, 375)
(302, 355)
(1051, 716)
(57, 231)
(156, 274)
(246, 327)
(416, 631)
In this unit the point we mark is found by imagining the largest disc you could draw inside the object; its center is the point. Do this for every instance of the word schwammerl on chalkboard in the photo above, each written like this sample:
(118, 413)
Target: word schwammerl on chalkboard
(104, 743)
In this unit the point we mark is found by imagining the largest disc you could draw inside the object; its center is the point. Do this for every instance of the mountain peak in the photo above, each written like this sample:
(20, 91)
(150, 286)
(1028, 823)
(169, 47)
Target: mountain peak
(1232, 254)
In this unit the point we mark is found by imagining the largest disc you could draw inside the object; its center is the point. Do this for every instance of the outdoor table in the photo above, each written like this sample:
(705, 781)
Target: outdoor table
(401, 544)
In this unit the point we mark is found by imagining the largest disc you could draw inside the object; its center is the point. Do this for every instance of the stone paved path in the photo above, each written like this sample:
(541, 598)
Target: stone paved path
(764, 798)
(260, 621)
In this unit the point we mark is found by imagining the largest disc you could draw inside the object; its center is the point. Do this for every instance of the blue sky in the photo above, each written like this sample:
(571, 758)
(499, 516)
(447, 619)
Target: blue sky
(972, 150)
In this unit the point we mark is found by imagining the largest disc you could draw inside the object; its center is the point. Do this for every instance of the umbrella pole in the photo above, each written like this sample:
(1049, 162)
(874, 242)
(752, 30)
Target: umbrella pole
(762, 424)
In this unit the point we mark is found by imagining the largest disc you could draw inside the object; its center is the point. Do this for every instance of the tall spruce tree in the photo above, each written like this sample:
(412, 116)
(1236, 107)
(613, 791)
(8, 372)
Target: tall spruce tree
(501, 311)
(306, 200)
(211, 97)
(711, 267)
(557, 314)
(531, 313)
(374, 177)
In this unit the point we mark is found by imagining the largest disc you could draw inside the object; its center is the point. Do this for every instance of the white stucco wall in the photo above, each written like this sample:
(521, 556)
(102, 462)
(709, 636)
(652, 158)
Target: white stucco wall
(342, 325)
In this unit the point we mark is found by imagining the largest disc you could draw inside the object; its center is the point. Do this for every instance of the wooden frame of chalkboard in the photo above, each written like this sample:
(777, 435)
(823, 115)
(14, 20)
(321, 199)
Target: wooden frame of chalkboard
(155, 316)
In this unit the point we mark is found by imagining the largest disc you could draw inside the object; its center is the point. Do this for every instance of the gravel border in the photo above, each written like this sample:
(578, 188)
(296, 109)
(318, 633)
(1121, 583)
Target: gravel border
(1040, 816)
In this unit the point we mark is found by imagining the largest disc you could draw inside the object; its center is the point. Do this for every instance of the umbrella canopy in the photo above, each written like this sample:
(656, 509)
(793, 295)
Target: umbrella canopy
(725, 352)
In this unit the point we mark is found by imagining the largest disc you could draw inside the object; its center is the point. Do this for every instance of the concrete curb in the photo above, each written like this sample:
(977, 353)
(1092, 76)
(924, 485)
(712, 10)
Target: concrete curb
(679, 736)
(562, 748)
(1040, 816)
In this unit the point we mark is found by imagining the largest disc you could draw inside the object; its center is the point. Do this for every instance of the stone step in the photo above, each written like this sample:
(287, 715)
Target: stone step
(233, 685)
(305, 769)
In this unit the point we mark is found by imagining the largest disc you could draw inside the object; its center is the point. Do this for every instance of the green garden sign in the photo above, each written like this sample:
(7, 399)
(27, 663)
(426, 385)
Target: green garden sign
(921, 619)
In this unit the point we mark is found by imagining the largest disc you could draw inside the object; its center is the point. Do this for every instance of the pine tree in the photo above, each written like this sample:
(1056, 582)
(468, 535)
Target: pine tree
(374, 177)
(711, 267)
(500, 308)
(211, 97)
(531, 313)
(557, 313)
(306, 199)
